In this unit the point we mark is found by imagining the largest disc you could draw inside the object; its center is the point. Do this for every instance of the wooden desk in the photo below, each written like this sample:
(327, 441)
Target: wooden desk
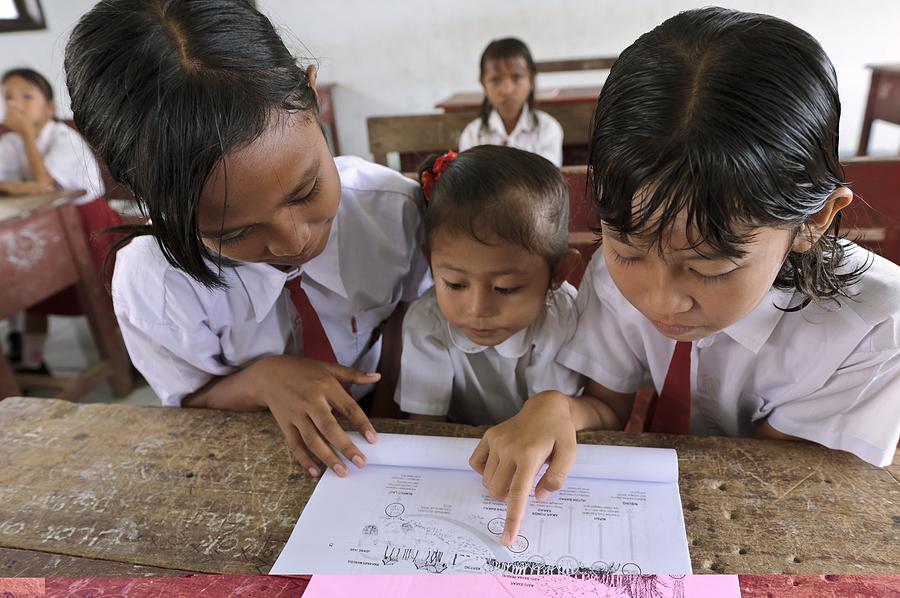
(119, 490)
(554, 96)
(883, 103)
(43, 250)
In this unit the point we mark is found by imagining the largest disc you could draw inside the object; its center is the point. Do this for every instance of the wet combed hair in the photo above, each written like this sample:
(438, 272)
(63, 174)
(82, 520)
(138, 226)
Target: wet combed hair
(505, 49)
(33, 77)
(731, 118)
(163, 89)
(493, 191)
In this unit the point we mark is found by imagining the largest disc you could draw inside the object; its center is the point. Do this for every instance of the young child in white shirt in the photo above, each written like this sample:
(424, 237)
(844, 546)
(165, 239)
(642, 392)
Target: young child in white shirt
(508, 116)
(268, 270)
(37, 155)
(485, 338)
(716, 176)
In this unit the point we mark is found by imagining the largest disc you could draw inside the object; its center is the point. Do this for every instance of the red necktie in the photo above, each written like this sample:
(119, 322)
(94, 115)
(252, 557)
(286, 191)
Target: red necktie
(672, 413)
(315, 342)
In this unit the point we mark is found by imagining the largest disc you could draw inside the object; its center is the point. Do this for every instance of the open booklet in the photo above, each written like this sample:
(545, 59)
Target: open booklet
(417, 507)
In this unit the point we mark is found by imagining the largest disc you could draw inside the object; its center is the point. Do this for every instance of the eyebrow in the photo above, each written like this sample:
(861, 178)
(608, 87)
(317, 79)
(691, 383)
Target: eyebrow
(508, 271)
(301, 183)
(697, 256)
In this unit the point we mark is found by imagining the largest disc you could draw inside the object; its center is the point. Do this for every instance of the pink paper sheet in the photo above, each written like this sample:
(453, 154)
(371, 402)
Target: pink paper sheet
(512, 586)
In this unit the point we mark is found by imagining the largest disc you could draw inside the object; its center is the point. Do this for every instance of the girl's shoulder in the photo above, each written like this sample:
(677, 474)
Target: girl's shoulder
(358, 175)
(560, 318)
(875, 296)
(423, 317)
(146, 285)
(547, 121)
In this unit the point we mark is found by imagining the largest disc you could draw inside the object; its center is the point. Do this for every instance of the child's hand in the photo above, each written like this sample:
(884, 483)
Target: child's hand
(510, 455)
(17, 120)
(302, 395)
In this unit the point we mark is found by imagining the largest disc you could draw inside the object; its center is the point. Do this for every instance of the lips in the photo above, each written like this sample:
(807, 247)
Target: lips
(673, 330)
(481, 332)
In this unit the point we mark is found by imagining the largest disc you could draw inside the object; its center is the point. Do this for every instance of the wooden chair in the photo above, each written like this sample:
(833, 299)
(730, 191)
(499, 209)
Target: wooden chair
(416, 136)
(874, 216)
(883, 103)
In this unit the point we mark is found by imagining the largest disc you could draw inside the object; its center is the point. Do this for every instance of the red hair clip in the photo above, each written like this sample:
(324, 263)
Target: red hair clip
(431, 177)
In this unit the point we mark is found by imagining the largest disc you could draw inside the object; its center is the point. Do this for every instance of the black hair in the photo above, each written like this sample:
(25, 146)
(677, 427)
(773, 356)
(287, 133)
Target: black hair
(505, 49)
(501, 192)
(33, 77)
(731, 118)
(163, 89)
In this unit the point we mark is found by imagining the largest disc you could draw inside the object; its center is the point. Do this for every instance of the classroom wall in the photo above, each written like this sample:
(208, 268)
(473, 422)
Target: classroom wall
(402, 56)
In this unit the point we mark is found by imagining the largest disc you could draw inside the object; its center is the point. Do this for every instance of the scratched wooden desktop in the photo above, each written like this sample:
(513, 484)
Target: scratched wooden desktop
(90, 490)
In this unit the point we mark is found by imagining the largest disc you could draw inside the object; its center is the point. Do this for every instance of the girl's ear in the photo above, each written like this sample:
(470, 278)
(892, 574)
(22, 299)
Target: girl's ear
(819, 223)
(311, 73)
(564, 267)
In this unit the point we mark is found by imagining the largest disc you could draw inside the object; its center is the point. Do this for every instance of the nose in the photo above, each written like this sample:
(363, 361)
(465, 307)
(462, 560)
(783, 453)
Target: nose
(665, 295)
(289, 235)
(480, 303)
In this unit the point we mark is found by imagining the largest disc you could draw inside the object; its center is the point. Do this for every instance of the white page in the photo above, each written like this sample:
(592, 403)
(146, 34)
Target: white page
(418, 518)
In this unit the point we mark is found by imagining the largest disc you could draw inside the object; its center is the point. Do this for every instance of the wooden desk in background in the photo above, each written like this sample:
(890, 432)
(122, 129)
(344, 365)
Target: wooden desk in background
(43, 250)
(119, 490)
(555, 96)
(883, 103)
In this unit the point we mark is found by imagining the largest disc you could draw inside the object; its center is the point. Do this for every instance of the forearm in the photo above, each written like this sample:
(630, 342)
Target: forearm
(39, 172)
(592, 413)
(235, 392)
(24, 187)
(765, 430)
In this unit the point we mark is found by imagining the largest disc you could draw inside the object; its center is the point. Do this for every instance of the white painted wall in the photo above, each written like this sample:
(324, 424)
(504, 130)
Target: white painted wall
(402, 56)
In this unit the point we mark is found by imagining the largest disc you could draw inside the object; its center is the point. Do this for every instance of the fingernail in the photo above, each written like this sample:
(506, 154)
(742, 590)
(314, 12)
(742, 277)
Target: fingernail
(358, 461)
(542, 494)
(313, 472)
(370, 436)
(506, 538)
(340, 469)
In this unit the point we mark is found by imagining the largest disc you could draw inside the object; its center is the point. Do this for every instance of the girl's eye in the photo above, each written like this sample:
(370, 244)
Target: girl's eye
(624, 261)
(507, 290)
(234, 238)
(453, 286)
(712, 278)
(308, 197)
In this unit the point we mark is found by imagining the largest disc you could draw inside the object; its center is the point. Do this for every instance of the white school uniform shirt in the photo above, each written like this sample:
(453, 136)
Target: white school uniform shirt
(444, 373)
(544, 139)
(181, 334)
(829, 373)
(66, 155)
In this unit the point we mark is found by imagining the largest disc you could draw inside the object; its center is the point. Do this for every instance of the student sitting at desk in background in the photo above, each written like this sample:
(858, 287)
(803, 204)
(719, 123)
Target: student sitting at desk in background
(508, 116)
(37, 155)
(719, 189)
(201, 109)
(485, 339)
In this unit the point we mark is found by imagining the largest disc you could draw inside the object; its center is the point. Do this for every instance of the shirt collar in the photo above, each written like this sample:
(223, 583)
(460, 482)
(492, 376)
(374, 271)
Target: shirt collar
(512, 348)
(264, 283)
(524, 124)
(753, 330)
